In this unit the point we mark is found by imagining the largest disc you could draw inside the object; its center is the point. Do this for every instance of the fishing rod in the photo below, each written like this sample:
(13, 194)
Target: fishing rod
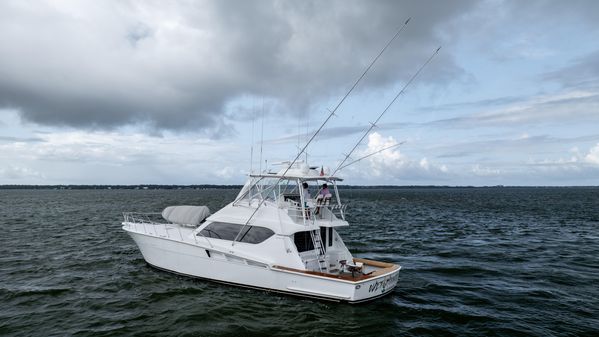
(331, 114)
(370, 155)
(373, 124)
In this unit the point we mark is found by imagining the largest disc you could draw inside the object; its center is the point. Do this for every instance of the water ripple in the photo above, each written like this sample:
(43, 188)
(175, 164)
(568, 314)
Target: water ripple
(475, 261)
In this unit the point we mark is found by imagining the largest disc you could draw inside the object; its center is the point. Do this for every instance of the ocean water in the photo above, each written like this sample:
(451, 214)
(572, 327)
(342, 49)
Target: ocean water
(475, 261)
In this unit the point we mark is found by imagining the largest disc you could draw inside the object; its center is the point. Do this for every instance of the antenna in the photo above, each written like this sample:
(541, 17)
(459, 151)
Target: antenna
(262, 135)
(331, 114)
(252, 145)
(307, 132)
(373, 124)
(299, 118)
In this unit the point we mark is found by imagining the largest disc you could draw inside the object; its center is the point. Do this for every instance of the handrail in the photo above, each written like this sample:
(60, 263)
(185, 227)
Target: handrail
(143, 218)
(325, 212)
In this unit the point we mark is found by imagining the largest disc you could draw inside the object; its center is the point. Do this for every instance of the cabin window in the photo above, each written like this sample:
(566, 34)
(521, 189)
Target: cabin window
(303, 241)
(228, 231)
(255, 234)
(221, 230)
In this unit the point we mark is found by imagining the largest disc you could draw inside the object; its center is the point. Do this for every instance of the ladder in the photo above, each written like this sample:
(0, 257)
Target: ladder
(319, 246)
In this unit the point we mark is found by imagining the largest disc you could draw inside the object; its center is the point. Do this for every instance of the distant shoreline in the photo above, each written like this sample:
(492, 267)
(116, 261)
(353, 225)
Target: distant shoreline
(210, 186)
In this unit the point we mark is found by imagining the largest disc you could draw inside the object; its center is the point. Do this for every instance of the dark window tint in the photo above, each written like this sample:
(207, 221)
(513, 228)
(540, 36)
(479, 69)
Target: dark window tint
(228, 231)
(221, 230)
(255, 234)
(303, 241)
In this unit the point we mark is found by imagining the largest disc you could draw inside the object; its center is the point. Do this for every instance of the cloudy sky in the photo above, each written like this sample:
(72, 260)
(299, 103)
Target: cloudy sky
(183, 92)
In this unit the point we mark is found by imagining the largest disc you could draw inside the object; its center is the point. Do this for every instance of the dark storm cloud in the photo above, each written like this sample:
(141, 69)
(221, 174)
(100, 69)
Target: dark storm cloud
(106, 64)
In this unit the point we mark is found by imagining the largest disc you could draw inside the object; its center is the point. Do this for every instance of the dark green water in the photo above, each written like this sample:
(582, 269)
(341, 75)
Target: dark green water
(496, 261)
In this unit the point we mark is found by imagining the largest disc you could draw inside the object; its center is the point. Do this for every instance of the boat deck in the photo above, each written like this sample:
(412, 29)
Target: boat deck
(384, 268)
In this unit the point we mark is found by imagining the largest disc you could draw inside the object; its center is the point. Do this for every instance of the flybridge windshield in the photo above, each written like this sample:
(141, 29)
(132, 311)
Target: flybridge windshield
(275, 189)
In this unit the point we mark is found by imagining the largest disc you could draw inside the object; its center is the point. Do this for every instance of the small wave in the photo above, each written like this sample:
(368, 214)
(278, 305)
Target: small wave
(33, 291)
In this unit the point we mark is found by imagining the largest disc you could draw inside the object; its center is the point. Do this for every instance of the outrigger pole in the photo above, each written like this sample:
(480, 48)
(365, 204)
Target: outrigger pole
(369, 155)
(373, 124)
(331, 114)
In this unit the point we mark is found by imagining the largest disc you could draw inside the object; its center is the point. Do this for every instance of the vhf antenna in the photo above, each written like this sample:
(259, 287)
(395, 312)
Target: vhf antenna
(252, 144)
(261, 136)
(373, 124)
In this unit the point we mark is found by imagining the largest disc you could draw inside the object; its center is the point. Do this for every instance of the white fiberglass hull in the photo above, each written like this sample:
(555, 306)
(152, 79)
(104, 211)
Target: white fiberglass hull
(202, 262)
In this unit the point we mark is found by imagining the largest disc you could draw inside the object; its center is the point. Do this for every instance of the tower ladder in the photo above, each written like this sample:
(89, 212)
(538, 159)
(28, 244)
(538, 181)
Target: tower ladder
(319, 246)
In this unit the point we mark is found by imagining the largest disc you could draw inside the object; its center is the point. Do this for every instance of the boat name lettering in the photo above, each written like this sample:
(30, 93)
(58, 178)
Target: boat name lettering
(384, 283)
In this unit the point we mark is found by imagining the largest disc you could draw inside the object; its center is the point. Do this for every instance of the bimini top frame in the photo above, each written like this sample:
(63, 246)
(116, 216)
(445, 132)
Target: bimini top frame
(296, 176)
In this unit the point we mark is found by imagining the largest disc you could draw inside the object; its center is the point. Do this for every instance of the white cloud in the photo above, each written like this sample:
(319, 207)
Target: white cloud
(120, 157)
(226, 172)
(424, 164)
(390, 158)
(392, 163)
(593, 156)
(578, 162)
(13, 172)
(481, 171)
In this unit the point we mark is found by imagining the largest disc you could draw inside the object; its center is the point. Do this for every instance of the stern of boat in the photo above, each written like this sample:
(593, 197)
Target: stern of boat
(374, 280)
(383, 279)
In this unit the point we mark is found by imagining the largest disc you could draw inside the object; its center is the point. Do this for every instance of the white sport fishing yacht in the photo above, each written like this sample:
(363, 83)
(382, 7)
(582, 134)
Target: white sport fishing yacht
(273, 236)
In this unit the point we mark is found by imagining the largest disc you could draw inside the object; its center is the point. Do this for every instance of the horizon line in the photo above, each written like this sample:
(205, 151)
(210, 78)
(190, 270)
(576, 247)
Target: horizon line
(158, 186)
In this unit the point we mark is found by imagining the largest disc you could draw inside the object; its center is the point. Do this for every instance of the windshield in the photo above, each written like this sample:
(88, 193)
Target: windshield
(264, 188)
(292, 189)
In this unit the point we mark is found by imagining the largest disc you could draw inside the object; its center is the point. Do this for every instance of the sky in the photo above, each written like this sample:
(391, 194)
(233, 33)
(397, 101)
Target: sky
(203, 92)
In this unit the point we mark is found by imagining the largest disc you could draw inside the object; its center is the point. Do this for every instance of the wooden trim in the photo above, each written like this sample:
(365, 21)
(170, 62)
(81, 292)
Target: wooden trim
(375, 263)
(385, 268)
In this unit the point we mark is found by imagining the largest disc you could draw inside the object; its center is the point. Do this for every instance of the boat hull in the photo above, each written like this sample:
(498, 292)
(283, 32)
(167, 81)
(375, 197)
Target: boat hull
(202, 262)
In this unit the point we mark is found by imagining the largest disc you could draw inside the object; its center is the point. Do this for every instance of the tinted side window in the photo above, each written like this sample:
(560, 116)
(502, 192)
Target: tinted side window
(221, 230)
(255, 234)
(228, 231)
(303, 241)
